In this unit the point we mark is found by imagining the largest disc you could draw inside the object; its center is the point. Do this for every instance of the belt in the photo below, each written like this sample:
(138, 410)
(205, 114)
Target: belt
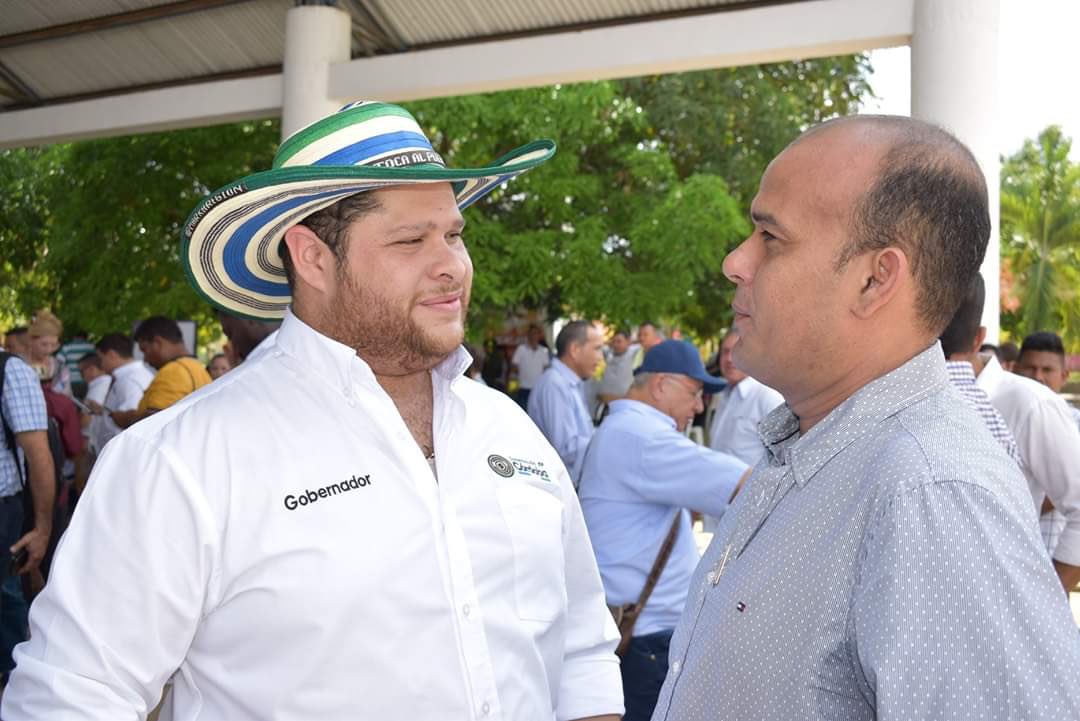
(12, 498)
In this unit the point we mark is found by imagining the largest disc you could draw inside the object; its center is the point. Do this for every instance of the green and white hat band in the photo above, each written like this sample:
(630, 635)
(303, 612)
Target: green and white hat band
(231, 239)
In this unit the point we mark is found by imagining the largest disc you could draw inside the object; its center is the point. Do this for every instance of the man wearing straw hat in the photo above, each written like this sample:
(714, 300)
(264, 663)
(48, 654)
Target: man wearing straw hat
(344, 527)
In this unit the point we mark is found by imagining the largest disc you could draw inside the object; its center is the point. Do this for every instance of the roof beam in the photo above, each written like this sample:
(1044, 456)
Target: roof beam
(106, 22)
(221, 101)
(814, 28)
(772, 33)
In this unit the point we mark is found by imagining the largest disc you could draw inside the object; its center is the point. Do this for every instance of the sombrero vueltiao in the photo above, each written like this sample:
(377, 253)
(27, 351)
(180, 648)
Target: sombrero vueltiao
(231, 239)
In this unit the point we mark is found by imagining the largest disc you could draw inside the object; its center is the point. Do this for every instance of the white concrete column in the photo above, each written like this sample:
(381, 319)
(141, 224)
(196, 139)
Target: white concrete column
(316, 36)
(954, 84)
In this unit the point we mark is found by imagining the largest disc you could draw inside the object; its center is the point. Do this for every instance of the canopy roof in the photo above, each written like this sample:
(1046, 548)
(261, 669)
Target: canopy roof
(65, 50)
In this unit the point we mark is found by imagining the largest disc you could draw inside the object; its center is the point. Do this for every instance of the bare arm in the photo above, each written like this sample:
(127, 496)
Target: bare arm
(42, 482)
(1069, 575)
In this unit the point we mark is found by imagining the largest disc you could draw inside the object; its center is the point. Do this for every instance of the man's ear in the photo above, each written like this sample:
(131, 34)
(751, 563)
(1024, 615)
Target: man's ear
(881, 278)
(312, 260)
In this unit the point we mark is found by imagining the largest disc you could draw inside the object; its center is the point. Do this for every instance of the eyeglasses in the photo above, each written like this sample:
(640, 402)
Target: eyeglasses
(698, 393)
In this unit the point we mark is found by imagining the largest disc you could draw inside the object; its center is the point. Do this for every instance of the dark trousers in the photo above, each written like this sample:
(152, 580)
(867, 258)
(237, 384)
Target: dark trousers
(521, 395)
(643, 670)
(13, 609)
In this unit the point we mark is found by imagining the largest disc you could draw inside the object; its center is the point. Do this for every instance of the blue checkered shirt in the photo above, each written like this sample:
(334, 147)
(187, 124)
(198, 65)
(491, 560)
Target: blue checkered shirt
(962, 376)
(23, 405)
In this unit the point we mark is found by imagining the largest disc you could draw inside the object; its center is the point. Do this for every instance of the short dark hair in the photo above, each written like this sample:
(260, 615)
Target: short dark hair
(959, 334)
(18, 330)
(91, 359)
(575, 332)
(118, 343)
(1008, 352)
(159, 326)
(930, 201)
(1043, 340)
(331, 224)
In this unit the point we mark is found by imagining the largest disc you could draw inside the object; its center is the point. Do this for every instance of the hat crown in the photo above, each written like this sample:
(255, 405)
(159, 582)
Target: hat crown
(364, 133)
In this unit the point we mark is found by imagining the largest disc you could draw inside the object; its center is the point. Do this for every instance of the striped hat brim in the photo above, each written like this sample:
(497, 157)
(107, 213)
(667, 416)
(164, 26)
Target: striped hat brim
(230, 241)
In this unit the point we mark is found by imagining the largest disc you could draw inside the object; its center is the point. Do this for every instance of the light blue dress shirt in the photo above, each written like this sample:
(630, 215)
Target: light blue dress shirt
(884, 566)
(557, 407)
(639, 470)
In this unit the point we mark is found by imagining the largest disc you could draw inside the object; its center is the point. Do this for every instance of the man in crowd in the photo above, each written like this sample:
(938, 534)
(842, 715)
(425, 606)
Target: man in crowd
(248, 337)
(72, 352)
(25, 462)
(529, 362)
(735, 411)
(882, 561)
(557, 403)
(178, 372)
(619, 371)
(640, 475)
(958, 343)
(1042, 358)
(274, 542)
(1046, 437)
(130, 379)
(17, 341)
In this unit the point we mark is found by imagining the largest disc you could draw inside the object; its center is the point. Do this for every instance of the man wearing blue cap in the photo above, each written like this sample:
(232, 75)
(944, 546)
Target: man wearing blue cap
(640, 475)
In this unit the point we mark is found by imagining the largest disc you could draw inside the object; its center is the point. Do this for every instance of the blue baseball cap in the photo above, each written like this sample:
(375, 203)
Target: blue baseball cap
(679, 356)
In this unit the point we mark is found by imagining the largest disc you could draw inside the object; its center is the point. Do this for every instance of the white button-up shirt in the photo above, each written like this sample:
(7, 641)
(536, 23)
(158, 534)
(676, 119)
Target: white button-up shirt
(734, 414)
(129, 382)
(277, 544)
(1049, 445)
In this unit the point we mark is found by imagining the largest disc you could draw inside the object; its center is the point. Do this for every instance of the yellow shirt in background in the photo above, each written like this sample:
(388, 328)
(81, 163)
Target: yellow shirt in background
(176, 379)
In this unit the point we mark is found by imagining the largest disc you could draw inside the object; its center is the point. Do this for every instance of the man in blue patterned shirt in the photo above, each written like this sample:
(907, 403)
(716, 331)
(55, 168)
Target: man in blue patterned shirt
(24, 439)
(883, 560)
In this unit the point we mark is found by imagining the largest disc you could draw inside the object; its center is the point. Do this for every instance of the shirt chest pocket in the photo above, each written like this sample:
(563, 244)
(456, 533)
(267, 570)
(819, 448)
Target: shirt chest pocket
(534, 519)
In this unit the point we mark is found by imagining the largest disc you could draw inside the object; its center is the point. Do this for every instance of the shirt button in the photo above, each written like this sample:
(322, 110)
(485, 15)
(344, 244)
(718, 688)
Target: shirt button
(485, 709)
(466, 609)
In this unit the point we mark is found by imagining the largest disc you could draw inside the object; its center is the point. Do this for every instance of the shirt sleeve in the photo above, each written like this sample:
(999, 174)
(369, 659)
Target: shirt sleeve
(676, 471)
(957, 613)
(590, 684)
(23, 399)
(125, 594)
(167, 388)
(1053, 460)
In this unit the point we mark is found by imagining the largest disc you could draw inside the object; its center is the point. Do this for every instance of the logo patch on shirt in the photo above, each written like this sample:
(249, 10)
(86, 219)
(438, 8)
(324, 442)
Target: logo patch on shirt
(500, 465)
(507, 467)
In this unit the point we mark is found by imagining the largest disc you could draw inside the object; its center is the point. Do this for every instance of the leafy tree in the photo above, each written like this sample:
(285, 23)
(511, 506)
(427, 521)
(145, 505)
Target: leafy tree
(630, 220)
(1040, 232)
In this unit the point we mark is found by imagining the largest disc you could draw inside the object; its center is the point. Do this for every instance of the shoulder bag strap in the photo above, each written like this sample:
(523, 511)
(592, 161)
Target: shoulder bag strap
(630, 615)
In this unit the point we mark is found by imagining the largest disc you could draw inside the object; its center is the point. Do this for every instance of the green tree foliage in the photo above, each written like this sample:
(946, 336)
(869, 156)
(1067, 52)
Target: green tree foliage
(1040, 233)
(630, 220)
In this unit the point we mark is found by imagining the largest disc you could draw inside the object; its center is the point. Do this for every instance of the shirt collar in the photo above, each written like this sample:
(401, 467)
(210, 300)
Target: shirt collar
(960, 372)
(628, 405)
(564, 370)
(991, 376)
(337, 363)
(130, 367)
(848, 422)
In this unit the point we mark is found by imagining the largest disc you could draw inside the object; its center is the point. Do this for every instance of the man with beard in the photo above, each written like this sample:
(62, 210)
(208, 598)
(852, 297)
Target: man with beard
(344, 527)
